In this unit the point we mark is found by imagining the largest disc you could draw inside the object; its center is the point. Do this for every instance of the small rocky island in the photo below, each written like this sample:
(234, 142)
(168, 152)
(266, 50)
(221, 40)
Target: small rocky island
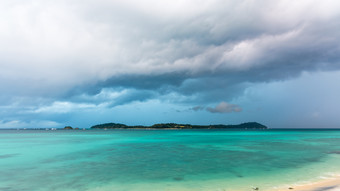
(68, 127)
(249, 125)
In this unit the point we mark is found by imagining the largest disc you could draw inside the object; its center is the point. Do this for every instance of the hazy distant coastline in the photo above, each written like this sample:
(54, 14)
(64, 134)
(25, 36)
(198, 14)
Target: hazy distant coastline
(248, 125)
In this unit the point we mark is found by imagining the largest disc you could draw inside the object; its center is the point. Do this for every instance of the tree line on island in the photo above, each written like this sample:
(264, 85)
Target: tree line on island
(248, 125)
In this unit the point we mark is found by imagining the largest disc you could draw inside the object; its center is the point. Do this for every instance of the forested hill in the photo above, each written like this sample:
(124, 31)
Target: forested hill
(249, 125)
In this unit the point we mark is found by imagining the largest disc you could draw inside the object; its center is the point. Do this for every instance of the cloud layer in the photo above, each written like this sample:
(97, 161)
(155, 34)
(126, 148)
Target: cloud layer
(190, 52)
(66, 45)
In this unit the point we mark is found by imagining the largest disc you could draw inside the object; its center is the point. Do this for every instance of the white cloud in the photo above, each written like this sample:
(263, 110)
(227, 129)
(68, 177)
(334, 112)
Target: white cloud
(63, 107)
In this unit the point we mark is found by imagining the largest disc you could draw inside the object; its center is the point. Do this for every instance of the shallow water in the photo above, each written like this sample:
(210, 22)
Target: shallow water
(165, 159)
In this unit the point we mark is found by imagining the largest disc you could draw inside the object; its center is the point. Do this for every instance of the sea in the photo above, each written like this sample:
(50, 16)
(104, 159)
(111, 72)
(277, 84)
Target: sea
(169, 160)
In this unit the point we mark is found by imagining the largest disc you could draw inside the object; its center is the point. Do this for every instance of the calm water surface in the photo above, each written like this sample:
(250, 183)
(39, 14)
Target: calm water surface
(165, 159)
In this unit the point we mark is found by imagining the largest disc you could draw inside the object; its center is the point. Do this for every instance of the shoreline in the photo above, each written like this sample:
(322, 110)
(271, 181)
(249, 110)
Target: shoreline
(329, 184)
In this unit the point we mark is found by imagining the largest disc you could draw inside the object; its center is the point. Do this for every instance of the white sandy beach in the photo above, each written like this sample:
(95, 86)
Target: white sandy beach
(324, 185)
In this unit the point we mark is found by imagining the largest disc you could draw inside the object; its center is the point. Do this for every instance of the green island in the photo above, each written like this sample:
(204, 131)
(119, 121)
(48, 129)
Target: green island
(248, 125)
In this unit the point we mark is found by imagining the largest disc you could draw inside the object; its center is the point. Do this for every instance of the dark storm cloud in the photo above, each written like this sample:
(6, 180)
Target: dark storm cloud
(215, 58)
(204, 51)
(149, 82)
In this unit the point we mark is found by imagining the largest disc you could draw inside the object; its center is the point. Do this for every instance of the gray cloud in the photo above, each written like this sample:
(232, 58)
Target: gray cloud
(206, 51)
(224, 107)
(197, 108)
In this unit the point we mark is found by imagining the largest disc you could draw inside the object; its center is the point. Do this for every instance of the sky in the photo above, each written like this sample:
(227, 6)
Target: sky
(86, 62)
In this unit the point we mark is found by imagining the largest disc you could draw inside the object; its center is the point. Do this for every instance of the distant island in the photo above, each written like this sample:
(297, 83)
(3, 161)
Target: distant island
(249, 125)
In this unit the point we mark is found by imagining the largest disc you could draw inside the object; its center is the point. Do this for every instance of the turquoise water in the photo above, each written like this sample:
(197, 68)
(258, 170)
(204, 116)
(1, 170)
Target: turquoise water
(165, 159)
